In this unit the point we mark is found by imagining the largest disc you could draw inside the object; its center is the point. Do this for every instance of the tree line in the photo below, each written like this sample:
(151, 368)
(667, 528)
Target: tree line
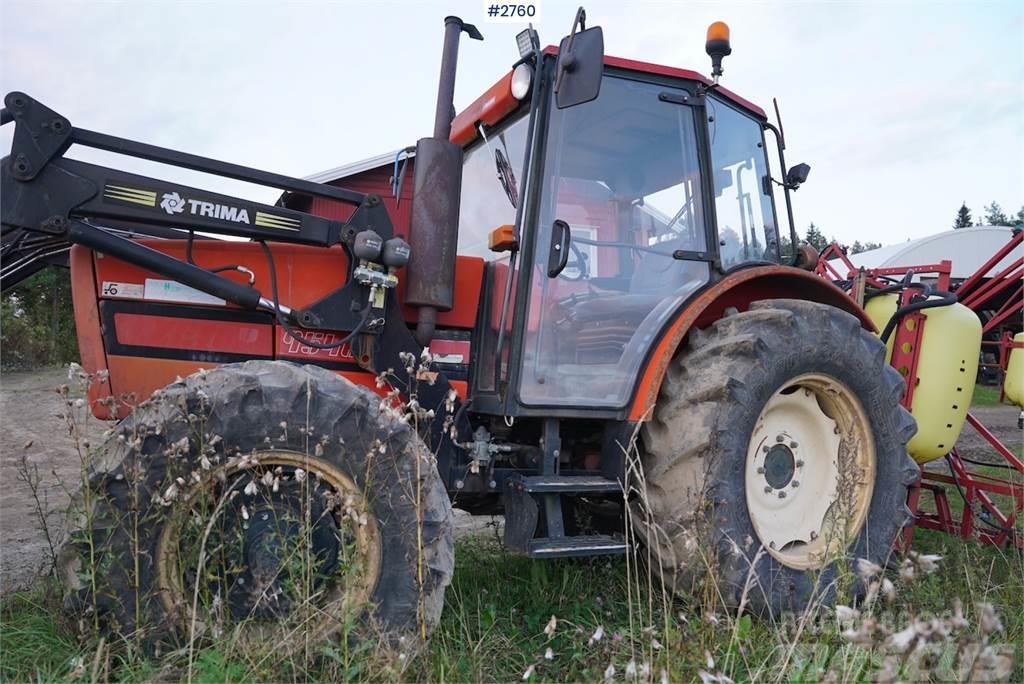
(994, 216)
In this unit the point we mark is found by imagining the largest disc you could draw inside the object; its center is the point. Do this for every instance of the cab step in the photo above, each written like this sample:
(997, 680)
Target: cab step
(571, 484)
(564, 547)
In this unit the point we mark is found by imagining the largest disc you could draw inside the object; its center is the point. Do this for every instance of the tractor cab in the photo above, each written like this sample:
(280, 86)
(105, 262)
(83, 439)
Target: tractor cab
(599, 219)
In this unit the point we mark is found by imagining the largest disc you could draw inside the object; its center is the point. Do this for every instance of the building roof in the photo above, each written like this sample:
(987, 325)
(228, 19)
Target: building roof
(353, 168)
(967, 248)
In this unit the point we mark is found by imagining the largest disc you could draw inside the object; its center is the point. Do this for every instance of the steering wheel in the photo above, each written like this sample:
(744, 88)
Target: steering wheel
(579, 262)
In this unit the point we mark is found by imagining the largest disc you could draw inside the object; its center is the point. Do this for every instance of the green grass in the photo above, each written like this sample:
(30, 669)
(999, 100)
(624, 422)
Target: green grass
(986, 395)
(498, 605)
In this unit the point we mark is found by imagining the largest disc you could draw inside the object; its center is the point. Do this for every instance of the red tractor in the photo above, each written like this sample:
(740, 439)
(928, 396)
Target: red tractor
(584, 318)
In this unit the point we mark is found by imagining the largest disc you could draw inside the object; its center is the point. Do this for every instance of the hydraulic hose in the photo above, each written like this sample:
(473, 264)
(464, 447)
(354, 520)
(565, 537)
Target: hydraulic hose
(944, 299)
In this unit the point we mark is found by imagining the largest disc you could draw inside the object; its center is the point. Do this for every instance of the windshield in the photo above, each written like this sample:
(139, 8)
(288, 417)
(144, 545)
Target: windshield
(743, 208)
(623, 172)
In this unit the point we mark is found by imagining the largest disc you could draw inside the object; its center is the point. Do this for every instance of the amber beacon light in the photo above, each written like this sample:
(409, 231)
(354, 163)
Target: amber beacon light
(717, 46)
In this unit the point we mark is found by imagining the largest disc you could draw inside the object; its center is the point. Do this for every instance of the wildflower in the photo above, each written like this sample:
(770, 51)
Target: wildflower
(664, 676)
(529, 672)
(596, 636)
(75, 371)
(550, 628)
(903, 640)
(609, 673)
(251, 489)
(846, 613)
(988, 620)
(867, 569)
(929, 563)
(170, 494)
(300, 474)
(630, 669)
(245, 512)
(549, 654)
(888, 590)
(907, 570)
(656, 645)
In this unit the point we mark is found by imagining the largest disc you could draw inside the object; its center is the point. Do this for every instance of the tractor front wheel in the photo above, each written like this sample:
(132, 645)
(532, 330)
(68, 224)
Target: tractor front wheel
(776, 458)
(267, 499)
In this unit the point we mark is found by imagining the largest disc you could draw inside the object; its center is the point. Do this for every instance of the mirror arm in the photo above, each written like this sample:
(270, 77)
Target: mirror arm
(567, 61)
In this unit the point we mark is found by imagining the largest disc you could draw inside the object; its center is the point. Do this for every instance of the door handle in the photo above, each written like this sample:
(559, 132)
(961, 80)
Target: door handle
(558, 254)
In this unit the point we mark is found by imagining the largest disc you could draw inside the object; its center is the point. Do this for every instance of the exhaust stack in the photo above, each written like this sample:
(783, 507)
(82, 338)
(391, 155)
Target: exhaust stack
(434, 224)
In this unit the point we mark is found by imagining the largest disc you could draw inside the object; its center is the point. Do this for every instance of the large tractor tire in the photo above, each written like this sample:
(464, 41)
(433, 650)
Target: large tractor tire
(776, 459)
(273, 498)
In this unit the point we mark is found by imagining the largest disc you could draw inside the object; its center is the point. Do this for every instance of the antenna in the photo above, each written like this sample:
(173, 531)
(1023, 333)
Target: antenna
(778, 119)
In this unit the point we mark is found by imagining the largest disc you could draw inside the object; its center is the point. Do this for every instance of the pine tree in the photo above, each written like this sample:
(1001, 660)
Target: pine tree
(857, 247)
(815, 238)
(994, 216)
(963, 217)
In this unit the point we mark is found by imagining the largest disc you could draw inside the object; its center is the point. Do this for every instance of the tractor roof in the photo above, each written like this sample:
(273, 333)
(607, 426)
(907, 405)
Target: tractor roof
(497, 101)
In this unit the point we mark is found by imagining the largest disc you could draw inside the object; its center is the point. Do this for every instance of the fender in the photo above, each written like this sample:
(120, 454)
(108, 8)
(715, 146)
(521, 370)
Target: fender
(737, 289)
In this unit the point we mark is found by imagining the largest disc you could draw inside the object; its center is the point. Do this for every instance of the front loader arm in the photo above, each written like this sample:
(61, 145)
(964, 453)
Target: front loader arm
(52, 200)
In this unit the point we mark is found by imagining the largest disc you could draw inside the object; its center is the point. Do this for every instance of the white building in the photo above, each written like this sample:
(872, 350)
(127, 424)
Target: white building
(967, 248)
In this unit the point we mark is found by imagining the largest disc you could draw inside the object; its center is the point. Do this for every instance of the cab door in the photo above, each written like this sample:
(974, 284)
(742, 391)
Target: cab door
(619, 241)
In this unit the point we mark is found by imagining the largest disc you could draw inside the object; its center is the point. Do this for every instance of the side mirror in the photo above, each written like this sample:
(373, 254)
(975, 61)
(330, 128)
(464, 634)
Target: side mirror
(797, 176)
(580, 64)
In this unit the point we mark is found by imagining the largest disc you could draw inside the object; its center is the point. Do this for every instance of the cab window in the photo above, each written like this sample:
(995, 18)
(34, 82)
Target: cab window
(744, 210)
(491, 175)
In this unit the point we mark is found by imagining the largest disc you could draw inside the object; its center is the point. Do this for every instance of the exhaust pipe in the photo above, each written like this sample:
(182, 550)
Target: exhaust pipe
(434, 223)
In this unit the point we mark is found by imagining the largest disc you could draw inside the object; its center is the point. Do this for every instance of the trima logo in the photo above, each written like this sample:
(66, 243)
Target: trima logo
(173, 203)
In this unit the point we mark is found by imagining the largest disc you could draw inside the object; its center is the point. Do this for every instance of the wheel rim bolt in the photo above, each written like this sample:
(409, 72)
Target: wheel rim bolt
(760, 470)
(780, 438)
(765, 449)
(799, 464)
(793, 445)
(782, 495)
(767, 490)
(814, 535)
(796, 483)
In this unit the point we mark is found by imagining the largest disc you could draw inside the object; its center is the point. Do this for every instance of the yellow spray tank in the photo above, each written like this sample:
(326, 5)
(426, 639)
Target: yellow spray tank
(947, 369)
(1013, 383)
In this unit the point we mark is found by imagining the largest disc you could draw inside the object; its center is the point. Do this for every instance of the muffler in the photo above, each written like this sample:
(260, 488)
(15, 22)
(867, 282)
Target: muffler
(434, 224)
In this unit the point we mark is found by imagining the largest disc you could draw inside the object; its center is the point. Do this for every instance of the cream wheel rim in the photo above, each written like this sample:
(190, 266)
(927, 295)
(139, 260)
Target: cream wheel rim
(333, 605)
(810, 471)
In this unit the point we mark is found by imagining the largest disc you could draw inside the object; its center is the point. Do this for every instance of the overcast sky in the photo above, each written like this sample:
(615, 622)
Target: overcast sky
(903, 109)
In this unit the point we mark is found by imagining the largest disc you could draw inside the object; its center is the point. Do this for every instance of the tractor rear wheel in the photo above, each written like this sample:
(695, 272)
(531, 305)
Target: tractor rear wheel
(274, 499)
(776, 458)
